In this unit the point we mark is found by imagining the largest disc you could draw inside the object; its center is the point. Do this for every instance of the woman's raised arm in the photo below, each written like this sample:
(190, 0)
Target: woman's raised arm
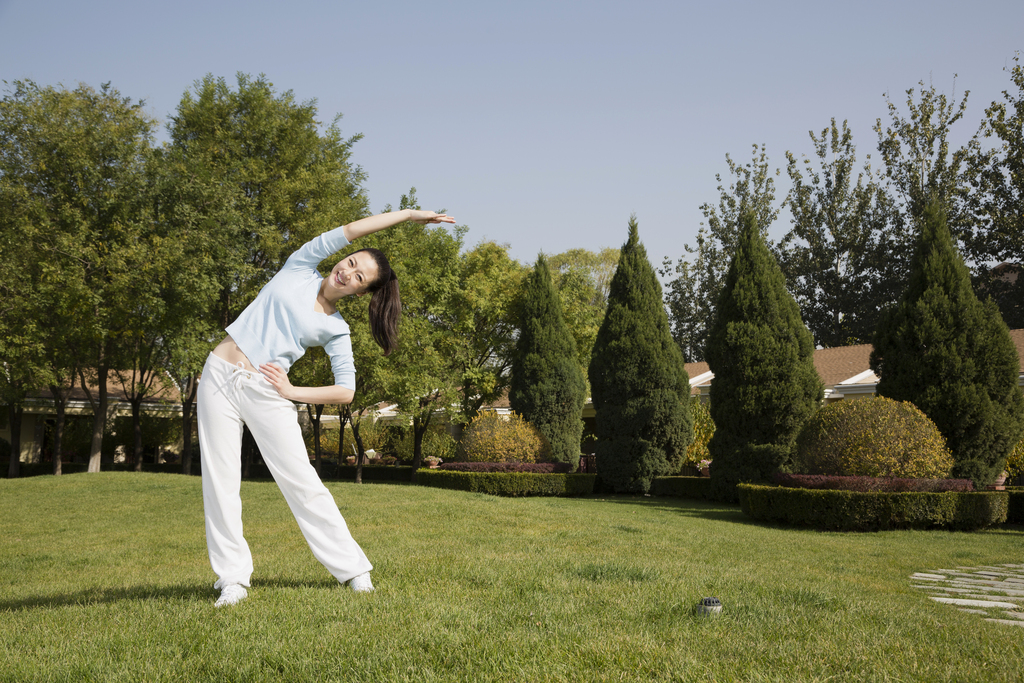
(364, 226)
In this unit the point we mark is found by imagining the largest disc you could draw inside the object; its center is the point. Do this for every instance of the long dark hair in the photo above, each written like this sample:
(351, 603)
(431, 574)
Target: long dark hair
(385, 303)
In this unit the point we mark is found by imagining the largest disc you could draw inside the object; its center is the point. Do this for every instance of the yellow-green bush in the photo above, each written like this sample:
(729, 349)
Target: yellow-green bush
(877, 437)
(1015, 461)
(703, 430)
(491, 437)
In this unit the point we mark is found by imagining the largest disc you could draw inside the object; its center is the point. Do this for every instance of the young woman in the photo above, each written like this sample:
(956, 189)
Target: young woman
(245, 381)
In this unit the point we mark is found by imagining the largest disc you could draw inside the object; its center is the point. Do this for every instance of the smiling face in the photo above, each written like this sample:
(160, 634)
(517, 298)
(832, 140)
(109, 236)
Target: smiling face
(352, 275)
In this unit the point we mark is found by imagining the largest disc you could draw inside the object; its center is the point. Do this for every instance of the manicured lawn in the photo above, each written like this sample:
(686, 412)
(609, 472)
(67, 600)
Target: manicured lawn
(105, 578)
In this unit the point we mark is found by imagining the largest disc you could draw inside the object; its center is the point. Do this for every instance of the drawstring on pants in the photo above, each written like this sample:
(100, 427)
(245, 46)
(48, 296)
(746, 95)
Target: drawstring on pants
(239, 374)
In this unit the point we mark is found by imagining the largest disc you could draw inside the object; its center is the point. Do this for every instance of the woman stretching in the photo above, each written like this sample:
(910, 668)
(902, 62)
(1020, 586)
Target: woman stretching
(245, 381)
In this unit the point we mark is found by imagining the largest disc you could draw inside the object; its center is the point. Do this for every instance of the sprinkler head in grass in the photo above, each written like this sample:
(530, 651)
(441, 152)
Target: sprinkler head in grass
(709, 606)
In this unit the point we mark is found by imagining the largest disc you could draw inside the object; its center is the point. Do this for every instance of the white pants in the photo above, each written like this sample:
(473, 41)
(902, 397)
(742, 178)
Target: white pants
(229, 397)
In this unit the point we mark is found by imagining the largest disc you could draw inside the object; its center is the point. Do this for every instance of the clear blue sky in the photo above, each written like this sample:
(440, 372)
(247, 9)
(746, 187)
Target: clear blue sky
(542, 124)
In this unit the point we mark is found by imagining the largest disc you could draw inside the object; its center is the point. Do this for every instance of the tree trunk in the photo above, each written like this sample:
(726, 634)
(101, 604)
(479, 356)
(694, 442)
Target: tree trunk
(344, 418)
(137, 431)
(99, 412)
(15, 413)
(186, 425)
(359, 452)
(58, 436)
(315, 411)
(419, 428)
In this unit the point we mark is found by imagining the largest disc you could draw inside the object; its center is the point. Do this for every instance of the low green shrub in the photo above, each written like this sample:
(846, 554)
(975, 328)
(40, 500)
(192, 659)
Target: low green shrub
(876, 437)
(1015, 507)
(510, 484)
(491, 437)
(681, 487)
(860, 511)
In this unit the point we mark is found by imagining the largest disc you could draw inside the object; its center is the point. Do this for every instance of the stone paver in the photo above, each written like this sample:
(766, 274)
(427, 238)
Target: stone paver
(973, 603)
(996, 593)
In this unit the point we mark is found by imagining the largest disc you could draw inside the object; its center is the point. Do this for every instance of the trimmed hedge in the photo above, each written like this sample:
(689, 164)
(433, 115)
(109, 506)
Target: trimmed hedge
(535, 467)
(886, 484)
(681, 487)
(1015, 507)
(370, 473)
(509, 483)
(38, 469)
(861, 511)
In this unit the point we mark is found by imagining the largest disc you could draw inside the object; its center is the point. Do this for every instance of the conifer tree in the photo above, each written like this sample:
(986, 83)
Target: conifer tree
(762, 354)
(638, 380)
(548, 388)
(951, 355)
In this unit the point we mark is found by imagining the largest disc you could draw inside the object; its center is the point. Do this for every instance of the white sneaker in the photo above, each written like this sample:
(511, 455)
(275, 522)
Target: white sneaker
(361, 583)
(231, 594)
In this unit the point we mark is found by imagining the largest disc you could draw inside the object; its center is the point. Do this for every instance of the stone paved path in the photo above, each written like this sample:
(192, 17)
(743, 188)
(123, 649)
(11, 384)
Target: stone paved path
(995, 592)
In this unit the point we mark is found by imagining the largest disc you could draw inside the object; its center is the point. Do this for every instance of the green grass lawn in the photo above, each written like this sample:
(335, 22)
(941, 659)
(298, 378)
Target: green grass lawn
(104, 577)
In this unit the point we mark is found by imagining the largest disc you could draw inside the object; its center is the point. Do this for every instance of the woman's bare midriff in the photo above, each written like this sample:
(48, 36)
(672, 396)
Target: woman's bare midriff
(229, 351)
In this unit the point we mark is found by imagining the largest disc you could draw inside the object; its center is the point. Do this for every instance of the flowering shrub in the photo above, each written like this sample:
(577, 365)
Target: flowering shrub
(876, 437)
(703, 430)
(491, 437)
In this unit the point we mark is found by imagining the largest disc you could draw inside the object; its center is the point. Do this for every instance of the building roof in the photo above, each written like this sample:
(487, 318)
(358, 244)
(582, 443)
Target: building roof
(842, 366)
(163, 390)
(1018, 339)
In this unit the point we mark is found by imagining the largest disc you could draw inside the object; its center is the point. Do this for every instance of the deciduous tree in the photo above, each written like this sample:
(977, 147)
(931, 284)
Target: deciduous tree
(583, 278)
(999, 201)
(844, 254)
(78, 158)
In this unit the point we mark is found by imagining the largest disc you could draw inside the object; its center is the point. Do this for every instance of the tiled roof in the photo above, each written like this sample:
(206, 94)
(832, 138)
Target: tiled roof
(837, 365)
(841, 363)
(1018, 339)
(161, 392)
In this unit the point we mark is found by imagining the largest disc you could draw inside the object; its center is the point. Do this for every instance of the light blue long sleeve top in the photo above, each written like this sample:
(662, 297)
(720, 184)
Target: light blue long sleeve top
(280, 324)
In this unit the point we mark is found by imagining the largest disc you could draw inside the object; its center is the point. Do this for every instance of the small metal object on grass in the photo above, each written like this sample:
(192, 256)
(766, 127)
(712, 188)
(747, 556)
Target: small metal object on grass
(709, 606)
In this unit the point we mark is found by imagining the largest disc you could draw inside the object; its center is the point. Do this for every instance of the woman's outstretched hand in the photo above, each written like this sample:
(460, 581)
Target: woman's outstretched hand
(364, 226)
(425, 217)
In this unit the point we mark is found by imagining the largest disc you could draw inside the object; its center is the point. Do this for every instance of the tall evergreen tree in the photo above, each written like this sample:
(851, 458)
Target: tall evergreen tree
(951, 355)
(638, 380)
(762, 354)
(548, 388)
